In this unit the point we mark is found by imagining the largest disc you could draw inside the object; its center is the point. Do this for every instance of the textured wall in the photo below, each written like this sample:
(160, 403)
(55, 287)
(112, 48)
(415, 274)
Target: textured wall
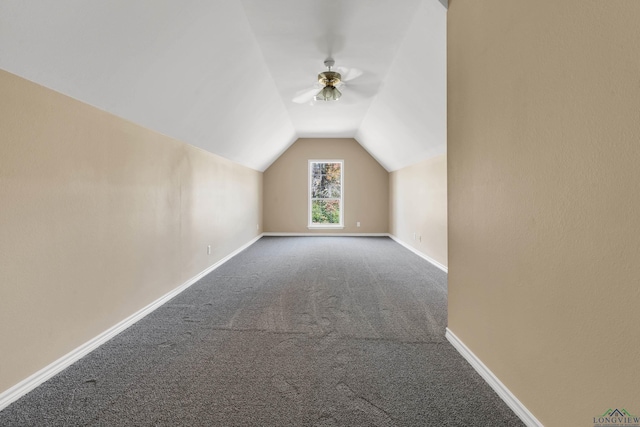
(98, 218)
(366, 188)
(418, 207)
(544, 196)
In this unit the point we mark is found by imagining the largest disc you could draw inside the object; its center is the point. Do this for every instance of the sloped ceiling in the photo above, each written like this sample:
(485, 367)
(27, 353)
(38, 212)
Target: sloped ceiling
(221, 75)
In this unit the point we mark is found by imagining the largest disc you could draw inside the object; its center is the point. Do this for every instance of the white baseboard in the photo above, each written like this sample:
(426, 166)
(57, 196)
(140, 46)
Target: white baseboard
(23, 387)
(285, 234)
(503, 392)
(420, 254)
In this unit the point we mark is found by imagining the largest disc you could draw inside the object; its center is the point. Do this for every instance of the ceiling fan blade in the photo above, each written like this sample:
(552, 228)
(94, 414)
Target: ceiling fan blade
(305, 96)
(349, 73)
(361, 91)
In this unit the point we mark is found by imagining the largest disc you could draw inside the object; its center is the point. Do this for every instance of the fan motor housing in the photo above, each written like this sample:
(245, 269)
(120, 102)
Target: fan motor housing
(329, 78)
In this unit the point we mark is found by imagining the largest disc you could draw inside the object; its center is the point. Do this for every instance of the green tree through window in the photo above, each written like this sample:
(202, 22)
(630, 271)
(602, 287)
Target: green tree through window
(325, 193)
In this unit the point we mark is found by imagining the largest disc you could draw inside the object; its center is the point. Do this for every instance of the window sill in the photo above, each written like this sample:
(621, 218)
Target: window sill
(315, 227)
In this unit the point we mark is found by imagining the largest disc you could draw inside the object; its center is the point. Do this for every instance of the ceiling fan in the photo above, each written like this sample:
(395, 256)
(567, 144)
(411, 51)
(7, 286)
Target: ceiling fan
(328, 83)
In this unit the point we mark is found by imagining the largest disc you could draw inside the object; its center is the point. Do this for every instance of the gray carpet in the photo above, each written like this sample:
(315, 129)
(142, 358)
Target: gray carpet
(294, 331)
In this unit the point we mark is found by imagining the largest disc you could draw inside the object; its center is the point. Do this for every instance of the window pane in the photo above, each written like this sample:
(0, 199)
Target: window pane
(325, 193)
(325, 180)
(325, 211)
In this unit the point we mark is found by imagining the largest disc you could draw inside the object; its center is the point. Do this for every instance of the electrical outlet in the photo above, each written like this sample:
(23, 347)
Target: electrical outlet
(208, 249)
(358, 224)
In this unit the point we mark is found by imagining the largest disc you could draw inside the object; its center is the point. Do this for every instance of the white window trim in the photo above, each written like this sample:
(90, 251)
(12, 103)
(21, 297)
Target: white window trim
(309, 201)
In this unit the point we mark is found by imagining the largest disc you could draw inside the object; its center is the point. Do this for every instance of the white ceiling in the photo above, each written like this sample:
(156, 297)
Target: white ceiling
(221, 75)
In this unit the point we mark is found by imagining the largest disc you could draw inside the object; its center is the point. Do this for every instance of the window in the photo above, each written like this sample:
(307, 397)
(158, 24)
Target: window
(325, 193)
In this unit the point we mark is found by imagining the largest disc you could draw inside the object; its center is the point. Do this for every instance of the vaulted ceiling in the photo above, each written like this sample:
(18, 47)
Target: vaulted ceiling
(223, 75)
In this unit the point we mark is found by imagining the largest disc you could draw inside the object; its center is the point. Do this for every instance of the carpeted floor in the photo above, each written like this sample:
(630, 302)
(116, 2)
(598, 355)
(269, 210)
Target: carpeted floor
(294, 331)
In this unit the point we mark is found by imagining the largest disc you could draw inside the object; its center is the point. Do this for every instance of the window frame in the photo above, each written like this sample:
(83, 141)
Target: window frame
(310, 192)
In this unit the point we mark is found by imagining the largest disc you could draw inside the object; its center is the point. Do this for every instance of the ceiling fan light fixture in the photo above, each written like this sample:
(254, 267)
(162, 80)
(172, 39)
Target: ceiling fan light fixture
(328, 83)
(330, 79)
(328, 93)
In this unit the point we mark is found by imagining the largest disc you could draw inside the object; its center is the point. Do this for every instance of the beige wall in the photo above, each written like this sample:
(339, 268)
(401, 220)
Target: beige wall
(544, 199)
(418, 207)
(98, 218)
(366, 188)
